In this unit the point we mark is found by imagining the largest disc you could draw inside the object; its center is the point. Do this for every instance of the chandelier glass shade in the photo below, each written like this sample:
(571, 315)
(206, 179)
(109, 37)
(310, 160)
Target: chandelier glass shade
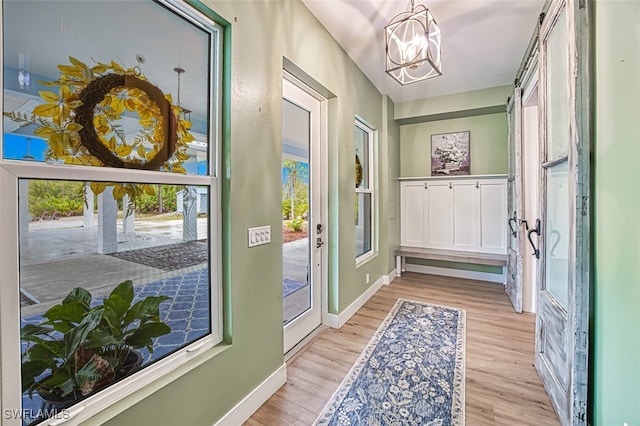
(413, 46)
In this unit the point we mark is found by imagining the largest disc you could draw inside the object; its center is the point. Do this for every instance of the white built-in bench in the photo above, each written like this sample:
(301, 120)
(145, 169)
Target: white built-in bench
(459, 219)
(492, 259)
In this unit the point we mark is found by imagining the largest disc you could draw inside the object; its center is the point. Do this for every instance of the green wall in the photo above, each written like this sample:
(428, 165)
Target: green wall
(488, 144)
(391, 199)
(463, 104)
(263, 35)
(616, 335)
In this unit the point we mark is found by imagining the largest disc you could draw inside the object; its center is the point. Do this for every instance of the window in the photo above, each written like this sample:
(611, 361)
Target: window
(365, 191)
(110, 201)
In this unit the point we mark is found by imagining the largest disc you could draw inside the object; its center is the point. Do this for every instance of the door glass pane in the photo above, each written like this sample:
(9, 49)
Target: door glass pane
(295, 210)
(513, 236)
(117, 286)
(557, 233)
(557, 91)
(513, 239)
(512, 138)
(363, 223)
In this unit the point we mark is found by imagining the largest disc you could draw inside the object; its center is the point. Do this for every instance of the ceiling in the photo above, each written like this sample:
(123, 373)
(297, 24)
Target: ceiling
(483, 41)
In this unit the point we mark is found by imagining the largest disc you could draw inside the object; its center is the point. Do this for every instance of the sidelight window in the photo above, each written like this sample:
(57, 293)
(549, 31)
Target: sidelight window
(365, 191)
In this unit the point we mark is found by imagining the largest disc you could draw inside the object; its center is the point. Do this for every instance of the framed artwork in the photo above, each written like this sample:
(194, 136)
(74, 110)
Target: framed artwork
(450, 154)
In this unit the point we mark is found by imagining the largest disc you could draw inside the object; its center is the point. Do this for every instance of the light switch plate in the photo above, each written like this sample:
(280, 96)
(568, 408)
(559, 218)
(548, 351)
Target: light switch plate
(259, 235)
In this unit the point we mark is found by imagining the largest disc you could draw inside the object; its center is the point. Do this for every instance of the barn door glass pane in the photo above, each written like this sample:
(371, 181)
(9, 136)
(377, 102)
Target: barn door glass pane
(557, 92)
(557, 233)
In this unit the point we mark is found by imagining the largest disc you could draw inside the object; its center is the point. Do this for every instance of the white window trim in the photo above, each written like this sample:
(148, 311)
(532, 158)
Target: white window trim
(372, 189)
(160, 373)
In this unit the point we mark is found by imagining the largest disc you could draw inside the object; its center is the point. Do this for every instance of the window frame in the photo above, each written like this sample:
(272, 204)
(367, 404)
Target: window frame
(163, 371)
(372, 178)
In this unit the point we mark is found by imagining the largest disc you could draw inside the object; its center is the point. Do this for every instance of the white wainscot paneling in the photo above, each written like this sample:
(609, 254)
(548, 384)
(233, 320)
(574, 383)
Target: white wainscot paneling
(465, 213)
(493, 215)
(439, 218)
(466, 231)
(413, 214)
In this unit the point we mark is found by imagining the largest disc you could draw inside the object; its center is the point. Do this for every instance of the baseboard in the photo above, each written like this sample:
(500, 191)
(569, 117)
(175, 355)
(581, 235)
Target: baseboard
(458, 273)
(392, 276)
(250, 404)
(337, 321)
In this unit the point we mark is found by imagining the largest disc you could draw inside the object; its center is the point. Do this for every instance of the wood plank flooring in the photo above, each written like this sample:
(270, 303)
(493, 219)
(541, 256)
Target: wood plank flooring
(502, 386)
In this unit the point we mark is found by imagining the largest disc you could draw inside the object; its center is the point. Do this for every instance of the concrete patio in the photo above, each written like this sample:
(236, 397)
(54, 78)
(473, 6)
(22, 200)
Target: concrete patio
(53, 248)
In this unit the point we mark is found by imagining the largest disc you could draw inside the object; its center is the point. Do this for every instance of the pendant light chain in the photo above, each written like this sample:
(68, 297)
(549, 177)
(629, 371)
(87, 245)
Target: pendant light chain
(179, 71)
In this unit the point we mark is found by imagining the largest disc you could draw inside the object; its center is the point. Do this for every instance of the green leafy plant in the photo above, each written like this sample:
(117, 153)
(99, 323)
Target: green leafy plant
(49, 196)
(295, 224)
(295, 189)
(78, 349)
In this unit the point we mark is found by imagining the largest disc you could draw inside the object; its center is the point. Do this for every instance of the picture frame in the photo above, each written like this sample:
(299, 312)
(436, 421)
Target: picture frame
(450, 153)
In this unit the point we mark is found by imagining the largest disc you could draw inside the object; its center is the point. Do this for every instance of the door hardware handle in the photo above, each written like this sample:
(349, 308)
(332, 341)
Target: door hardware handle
(319, 242)
(319, 229)
(514, 219)
(511, 230)
(536, 251)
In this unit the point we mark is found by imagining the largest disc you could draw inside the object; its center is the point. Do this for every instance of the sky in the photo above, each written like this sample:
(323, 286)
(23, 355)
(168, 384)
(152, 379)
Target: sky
(15, 147)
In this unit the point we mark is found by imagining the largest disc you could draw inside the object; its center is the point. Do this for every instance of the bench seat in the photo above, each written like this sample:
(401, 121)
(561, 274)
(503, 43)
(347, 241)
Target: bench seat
(492, 259)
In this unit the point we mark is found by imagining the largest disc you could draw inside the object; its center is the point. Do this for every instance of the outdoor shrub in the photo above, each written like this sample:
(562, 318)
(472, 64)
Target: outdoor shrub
(296, 224)
(65, 198)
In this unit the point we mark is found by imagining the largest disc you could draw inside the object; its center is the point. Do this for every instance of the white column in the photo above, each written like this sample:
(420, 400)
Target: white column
(128, 222)
(23, 205)
(107, 222)
(190, 214)
(88, 212)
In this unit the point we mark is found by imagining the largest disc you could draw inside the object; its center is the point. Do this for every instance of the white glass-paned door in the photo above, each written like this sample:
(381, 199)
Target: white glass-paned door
(303, 231)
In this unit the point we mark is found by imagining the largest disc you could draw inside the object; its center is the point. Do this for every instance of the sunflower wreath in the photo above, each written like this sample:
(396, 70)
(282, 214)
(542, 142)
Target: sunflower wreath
(81, 123)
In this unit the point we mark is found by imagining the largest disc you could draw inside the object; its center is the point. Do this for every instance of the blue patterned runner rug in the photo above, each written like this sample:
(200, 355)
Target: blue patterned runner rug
(410, 373)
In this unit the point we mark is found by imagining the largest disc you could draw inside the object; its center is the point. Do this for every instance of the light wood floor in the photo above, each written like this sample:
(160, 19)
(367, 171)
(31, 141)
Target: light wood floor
(502, 386)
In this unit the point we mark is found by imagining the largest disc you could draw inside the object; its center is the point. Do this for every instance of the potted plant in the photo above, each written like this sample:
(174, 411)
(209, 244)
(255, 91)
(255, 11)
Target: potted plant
(78, 348)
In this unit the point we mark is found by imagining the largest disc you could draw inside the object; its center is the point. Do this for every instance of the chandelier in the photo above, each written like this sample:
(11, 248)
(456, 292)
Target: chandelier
(413, 42)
